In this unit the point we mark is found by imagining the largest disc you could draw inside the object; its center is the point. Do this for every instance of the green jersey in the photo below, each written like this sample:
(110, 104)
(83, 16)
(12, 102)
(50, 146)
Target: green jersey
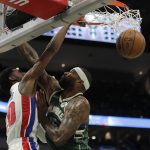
(79, 141)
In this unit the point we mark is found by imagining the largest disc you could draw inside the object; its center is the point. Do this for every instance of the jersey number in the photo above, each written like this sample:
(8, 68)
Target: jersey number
(11, 115)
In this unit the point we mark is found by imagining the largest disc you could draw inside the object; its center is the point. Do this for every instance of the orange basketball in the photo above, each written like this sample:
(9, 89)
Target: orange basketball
(130, 44)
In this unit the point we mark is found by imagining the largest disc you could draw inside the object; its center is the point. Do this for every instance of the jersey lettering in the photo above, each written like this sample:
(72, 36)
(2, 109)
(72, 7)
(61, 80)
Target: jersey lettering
(19, 2)
(11, 115)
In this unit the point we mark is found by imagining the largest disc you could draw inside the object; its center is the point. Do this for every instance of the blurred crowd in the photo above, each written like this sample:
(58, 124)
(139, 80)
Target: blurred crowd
(120, 99)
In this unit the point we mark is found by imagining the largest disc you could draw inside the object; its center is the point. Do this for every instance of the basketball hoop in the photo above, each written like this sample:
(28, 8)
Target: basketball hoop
(116, 15)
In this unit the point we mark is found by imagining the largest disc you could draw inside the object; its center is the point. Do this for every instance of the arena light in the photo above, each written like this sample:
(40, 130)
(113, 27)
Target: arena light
(115, 121)
(88, 33)
(112, 121)
(3, 107)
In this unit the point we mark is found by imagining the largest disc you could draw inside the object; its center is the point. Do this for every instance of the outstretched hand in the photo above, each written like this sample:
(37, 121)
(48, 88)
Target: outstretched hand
(42, 105)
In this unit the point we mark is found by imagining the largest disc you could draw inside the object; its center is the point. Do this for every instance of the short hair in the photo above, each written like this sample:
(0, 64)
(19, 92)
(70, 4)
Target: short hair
(5, 83)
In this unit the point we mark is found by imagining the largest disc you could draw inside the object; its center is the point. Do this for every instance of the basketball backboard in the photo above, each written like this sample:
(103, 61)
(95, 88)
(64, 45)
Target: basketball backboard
(35, 28)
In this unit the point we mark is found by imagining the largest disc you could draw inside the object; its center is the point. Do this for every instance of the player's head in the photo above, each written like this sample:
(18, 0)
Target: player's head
(8, 77)
(78, 78)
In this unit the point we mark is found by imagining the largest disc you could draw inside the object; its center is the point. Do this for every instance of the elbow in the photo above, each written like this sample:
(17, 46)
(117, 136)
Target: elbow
(57, 140)
(60, 142)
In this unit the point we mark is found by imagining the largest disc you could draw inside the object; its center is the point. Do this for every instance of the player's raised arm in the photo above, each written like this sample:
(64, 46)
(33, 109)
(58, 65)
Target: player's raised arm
(46, 81)
(28, 84)
(29, 53)
(76, 114)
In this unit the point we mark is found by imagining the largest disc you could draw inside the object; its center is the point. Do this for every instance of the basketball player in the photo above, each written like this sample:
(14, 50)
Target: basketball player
(66, 120)
(21, 119)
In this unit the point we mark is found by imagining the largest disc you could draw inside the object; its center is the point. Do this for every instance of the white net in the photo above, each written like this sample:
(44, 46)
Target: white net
(119, 19)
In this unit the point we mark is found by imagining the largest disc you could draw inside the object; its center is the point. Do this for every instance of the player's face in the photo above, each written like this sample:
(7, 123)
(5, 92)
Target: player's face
(17, 74)
(68, 79)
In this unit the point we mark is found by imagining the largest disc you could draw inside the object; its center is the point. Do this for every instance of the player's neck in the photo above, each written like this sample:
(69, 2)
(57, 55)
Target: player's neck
(68, 93)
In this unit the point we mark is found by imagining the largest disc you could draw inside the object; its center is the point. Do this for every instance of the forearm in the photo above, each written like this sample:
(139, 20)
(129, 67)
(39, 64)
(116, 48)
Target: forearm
(38, 68)
(29, 53)
(53, 133)
(53, 46)
(50, 130)
(58, 39)
(50, 51)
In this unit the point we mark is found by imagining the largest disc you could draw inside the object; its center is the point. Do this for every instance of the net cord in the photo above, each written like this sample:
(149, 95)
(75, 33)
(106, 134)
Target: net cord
(121, 18)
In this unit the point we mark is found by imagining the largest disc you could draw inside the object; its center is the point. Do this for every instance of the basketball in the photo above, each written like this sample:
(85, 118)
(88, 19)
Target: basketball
(130, 44)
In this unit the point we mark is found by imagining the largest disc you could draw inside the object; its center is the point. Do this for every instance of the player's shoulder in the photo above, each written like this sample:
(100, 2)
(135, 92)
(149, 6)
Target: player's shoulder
(80, 101)
(79, 105)
(14, 86)
(81, 98)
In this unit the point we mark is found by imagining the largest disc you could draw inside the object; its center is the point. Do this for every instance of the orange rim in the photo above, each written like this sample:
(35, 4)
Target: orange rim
(119, 4)
(114, 3)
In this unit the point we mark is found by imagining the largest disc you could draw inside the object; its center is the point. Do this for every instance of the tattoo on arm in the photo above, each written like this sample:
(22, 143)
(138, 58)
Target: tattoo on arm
(76, 114)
